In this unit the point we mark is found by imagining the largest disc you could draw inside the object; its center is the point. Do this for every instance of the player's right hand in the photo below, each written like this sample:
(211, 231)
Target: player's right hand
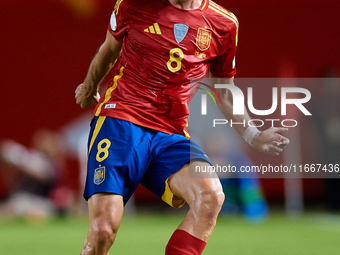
(86, 97)
(271, 141)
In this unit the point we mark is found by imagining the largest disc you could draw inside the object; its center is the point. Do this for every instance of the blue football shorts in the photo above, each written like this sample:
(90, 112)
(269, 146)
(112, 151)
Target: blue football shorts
(122, 155)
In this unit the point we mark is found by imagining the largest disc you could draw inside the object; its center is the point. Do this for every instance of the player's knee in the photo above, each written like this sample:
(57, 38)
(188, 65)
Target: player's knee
(105, 234)
(215, 199)
(208, 205)
(210, 202)
(219, 199)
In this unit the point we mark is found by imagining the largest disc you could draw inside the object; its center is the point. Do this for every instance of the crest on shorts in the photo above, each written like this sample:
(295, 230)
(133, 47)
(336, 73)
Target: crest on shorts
(180, 31)
(99, 175)
(203, 39)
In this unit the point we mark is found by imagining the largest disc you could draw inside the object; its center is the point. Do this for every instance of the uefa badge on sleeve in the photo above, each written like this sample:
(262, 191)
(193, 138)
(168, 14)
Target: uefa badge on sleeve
(99, 175)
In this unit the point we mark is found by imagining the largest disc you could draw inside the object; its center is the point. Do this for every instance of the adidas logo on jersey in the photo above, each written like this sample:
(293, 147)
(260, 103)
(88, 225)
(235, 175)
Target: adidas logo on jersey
(153, 29)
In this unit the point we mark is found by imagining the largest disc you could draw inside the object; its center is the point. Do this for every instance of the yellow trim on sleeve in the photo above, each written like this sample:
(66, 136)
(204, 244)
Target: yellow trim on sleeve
(230, 14)
(116, 8)
(109, 90)
(205, 3)
(99, 124)
(226, 14)
(168, 197)
(186, 134)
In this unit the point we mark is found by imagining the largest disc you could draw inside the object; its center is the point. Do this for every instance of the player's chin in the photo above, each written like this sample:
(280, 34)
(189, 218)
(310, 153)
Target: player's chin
(83, 106)
(273, 152)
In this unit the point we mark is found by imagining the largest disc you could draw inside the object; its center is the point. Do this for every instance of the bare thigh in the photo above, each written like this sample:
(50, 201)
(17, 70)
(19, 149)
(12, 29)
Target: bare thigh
(105, 213)
(204, 196)
(186, 187)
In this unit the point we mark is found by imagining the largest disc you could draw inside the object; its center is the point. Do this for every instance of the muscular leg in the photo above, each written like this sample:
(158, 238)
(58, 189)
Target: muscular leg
(205, 198)
(105, 212)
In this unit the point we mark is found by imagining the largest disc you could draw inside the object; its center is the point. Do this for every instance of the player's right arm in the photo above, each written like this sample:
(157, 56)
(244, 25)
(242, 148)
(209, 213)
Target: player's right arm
(270, 141)
(102, 63)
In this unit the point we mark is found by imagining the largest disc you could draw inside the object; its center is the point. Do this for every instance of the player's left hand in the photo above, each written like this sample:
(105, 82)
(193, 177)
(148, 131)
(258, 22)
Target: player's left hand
(271, 141)
(85, 97)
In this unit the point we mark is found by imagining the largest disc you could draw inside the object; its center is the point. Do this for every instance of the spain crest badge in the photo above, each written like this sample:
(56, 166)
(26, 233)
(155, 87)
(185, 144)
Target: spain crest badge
(203, 39)
(99, 175)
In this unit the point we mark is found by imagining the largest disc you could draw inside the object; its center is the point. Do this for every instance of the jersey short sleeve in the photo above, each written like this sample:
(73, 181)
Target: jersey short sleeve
(224, 65)
(118, 22)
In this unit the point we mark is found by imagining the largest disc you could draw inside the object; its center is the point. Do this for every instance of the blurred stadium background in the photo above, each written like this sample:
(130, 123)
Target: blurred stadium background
(47, 46)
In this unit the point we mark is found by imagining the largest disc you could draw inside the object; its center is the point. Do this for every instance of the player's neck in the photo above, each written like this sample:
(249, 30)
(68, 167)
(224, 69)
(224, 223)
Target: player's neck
(186, 4)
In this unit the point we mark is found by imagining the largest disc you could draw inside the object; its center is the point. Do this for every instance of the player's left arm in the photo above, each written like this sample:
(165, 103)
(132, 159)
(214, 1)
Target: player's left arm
(104, 60)
(87, 92)
(270, 141)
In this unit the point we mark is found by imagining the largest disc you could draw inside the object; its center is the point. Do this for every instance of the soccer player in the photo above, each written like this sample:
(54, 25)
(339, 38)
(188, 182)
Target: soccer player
(138, 133)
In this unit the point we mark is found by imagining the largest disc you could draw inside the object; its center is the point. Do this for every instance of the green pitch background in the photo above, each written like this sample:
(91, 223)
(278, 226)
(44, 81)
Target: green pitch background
(148, 234)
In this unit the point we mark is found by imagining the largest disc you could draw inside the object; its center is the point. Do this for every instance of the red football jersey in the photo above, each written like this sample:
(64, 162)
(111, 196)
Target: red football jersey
(164, 48)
